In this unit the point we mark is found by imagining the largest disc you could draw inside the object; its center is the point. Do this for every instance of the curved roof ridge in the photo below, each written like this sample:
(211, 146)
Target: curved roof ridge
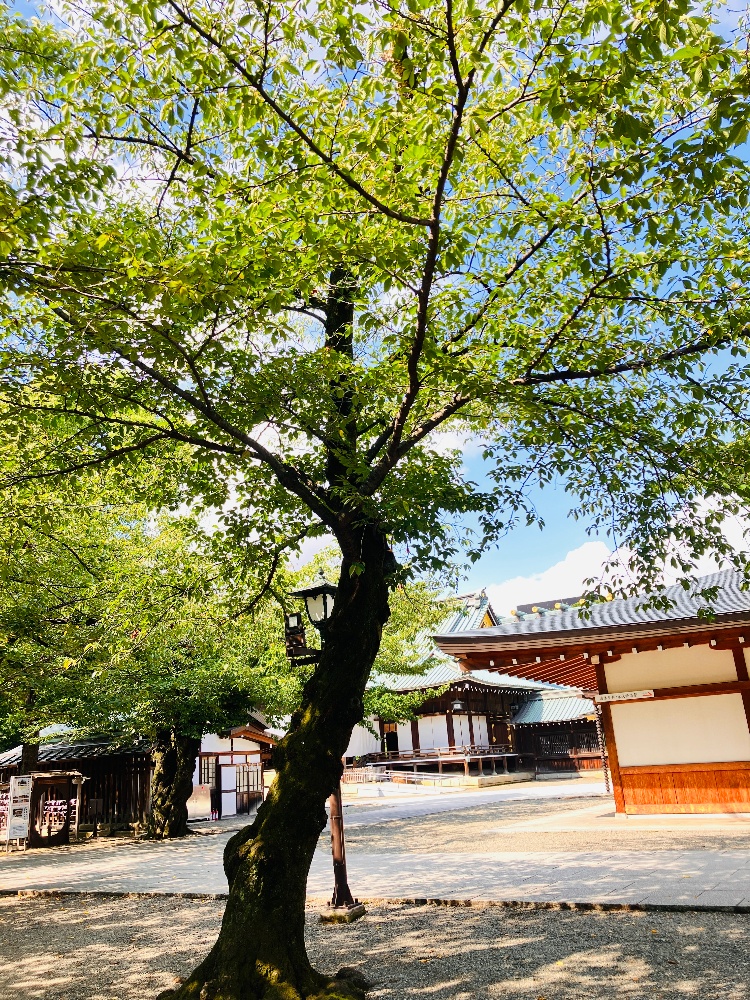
(688, 604)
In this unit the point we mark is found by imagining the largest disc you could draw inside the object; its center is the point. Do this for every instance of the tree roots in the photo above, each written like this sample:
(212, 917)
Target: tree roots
(347, 984)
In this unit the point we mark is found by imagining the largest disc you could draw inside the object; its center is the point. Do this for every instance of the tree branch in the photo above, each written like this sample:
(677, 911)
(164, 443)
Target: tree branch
(643, 364)
(257, 84)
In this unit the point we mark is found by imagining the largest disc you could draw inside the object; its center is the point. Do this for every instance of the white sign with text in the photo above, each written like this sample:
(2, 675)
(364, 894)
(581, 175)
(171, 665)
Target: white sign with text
(623, 696)
(19, 807)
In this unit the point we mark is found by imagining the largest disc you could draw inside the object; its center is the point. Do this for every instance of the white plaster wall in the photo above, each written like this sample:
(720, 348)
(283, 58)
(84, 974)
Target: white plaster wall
(212, 743)
(681, 730)
(362, 742)
(404, 736)
(480, 731)
(660, 668)
(439, 731)
(228, 803)
(433, 732)
(461, 730)
(425, 732)
(240, 743)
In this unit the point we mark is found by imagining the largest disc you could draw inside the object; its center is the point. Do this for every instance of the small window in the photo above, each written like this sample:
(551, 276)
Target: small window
(248, 778)
(208, 771)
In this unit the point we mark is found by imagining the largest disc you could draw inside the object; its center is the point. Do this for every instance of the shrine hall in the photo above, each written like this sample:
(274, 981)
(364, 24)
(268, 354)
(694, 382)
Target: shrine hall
(670, 680)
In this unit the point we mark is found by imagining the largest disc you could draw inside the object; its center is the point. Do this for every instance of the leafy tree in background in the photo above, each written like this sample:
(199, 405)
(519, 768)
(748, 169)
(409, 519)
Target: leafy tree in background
(307, 240)
(117, 624)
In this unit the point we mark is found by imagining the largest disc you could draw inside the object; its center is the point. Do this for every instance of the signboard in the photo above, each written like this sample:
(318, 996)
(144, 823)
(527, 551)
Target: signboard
(19, 807)
(623, 696)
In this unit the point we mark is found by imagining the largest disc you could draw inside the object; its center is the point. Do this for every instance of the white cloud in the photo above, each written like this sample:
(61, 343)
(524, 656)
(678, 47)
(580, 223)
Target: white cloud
(444, 442)
(564, 579)
(311, 547)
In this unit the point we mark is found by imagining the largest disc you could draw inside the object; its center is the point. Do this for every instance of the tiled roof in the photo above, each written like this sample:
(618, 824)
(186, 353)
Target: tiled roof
(49, 752)
(552, 708)
(685, 606)
(442, 669)
(447, 671)
(470, 614)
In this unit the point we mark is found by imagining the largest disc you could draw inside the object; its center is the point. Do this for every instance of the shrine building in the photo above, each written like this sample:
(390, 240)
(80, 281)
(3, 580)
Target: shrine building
(671, 683)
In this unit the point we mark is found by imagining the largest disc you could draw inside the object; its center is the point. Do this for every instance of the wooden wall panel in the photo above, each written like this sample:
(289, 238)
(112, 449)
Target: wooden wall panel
(687, 788)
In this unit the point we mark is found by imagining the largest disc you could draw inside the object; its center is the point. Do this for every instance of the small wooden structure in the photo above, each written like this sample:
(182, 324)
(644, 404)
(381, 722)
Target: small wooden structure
(559, 731)
(118, 778)
(55, 807)
(672, 685)
(54, 810)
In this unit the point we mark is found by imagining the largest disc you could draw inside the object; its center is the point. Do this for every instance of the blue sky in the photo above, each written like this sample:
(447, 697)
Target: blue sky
(530, 563)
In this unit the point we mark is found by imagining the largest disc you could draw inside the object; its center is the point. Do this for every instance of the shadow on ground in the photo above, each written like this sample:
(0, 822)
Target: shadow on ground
(105, 948)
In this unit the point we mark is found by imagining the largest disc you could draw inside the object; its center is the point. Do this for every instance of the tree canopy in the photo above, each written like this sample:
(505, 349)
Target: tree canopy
(534, 217)
(317, 246)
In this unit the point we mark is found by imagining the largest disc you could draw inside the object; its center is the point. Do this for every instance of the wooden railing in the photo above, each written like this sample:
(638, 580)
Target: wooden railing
(472, 750)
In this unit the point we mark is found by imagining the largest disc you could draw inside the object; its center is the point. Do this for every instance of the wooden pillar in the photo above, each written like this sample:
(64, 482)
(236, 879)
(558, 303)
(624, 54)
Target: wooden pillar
(415, 735)
(742, 675)
(609, 737)
(451, 734)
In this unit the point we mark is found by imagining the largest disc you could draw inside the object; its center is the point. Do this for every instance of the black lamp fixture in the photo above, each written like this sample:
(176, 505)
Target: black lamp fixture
(457, 705)
(318, 598)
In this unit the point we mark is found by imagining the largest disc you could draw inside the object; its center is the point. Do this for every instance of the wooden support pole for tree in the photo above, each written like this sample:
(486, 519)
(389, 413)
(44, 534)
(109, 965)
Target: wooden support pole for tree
(341, 893)
(344, 908)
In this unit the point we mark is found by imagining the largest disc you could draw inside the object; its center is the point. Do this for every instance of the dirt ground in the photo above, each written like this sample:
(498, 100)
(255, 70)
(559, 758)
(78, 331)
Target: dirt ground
(552, 825)
(130, 948)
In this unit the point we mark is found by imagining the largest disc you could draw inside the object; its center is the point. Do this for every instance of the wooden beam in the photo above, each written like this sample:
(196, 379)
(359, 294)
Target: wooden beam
(692, 691)
(731, 765)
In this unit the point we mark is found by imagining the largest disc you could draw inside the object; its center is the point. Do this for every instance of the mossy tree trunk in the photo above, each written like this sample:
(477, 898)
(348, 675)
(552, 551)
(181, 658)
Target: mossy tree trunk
(172, 783)
(29, 758)
(260, 953)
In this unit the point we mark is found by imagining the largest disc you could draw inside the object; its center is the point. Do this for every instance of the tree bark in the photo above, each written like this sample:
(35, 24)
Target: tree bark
(260, 953)
(172, 783)
(29, 758)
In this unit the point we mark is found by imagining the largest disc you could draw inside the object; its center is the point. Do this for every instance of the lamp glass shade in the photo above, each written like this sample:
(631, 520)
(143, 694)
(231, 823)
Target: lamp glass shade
(318, 607)
(318, 598)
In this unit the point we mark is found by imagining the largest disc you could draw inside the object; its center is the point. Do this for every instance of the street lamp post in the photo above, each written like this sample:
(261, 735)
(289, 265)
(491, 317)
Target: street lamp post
(319, 597)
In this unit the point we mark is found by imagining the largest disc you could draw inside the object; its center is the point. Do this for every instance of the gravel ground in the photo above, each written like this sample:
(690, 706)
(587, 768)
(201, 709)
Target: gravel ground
(504, 826)
(105, 948)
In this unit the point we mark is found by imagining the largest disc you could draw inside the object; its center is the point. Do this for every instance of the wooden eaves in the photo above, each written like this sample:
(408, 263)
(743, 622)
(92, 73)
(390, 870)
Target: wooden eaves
(571, 656)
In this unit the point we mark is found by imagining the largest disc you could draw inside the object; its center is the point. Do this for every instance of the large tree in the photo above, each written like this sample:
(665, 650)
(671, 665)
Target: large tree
(317, 244)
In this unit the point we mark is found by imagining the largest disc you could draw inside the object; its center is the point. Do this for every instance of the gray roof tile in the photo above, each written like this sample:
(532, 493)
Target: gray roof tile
(685, 605)
(552, 709)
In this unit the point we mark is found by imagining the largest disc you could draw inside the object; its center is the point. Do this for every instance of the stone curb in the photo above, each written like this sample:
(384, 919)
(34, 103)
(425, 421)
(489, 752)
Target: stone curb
(519, 904)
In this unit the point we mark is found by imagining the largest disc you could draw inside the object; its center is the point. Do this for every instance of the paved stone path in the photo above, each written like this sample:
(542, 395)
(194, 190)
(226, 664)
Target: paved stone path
(379, 810)
(703, 878)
